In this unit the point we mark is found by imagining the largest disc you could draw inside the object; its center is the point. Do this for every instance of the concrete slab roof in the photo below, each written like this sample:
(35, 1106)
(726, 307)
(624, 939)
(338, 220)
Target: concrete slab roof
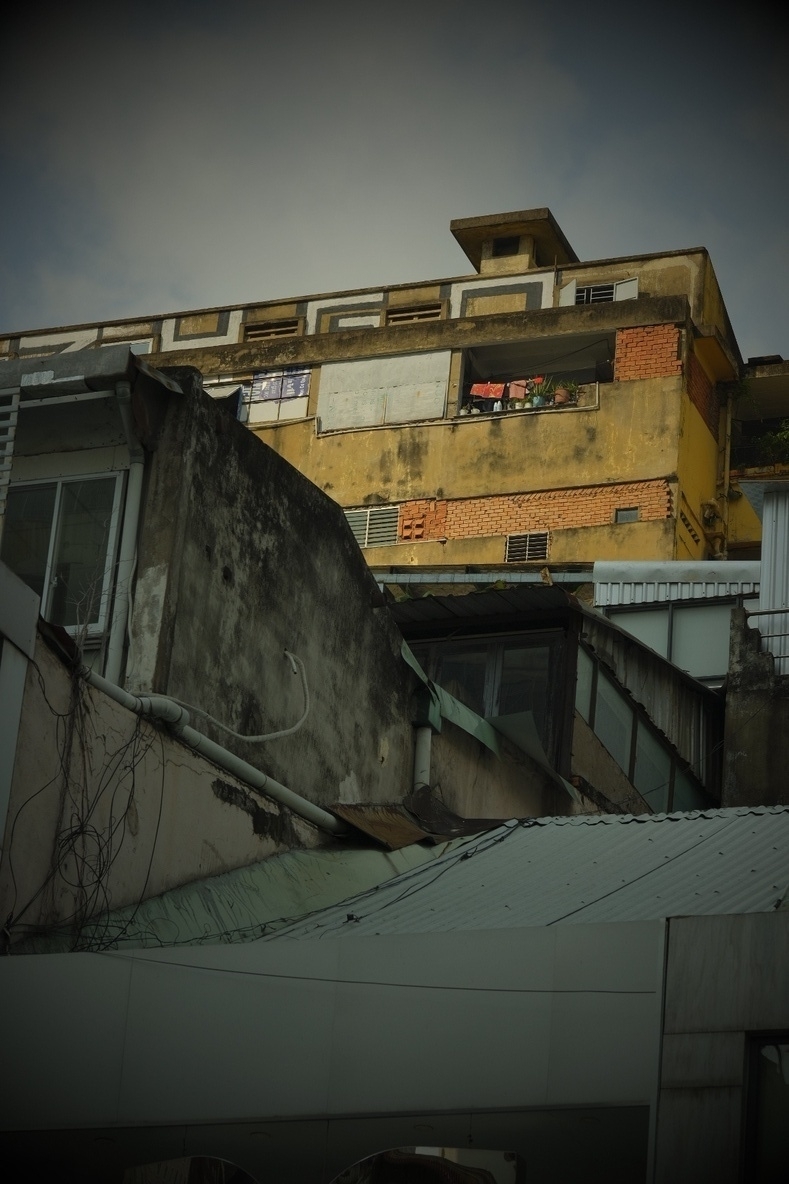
(550, 243)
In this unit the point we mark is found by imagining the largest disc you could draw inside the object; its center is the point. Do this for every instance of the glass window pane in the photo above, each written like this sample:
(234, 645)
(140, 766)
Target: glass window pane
(583, 684)
(700, 640)
(27, 531)
(461, 671)
(613, 721)
(525, 673)
(649, 626)
(81, 558)
(653, 770)
(687, 796)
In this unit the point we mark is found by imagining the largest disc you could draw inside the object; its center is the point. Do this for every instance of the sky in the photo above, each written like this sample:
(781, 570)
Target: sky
(162, 157)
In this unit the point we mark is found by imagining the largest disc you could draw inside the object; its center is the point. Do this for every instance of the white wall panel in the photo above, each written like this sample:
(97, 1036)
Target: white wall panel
(375, 391)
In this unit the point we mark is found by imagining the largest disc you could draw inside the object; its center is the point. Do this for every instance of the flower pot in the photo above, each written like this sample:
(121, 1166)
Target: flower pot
(561, 395)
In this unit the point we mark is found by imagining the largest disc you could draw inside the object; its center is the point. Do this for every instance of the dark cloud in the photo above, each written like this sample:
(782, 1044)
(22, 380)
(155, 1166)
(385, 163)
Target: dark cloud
(184, 155)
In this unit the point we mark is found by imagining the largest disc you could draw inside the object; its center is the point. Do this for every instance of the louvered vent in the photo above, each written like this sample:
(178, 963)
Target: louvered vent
(267, 330)
(527, 548)
(375, 526)
(414, 312)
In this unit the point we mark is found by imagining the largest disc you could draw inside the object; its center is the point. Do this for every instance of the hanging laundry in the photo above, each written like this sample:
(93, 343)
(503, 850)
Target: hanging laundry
(488, 390)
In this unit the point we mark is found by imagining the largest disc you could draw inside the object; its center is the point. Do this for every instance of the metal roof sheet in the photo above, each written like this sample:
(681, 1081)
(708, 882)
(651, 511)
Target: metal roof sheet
(646, 582)
(582, 869)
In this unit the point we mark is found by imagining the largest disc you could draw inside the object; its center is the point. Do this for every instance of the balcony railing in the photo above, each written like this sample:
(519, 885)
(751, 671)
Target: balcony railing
(500, 398)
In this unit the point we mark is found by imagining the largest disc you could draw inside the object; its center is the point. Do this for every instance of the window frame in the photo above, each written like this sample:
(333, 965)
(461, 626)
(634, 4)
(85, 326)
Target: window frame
(639, 720)
(95, 630)
(429, 652)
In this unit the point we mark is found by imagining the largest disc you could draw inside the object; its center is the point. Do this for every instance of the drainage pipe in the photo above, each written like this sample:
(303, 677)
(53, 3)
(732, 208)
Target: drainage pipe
(177, 719)
(422, 742)
(128, 545)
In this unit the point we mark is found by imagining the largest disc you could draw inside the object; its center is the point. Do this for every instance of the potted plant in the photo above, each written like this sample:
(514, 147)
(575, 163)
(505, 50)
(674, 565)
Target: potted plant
(565, 392)
(541, 391)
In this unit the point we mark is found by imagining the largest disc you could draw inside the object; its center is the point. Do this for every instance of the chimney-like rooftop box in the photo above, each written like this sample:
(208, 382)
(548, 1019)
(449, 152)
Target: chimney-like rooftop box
(505, 244)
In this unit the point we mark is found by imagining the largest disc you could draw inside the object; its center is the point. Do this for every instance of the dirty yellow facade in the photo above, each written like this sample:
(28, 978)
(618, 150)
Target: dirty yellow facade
(539, 410)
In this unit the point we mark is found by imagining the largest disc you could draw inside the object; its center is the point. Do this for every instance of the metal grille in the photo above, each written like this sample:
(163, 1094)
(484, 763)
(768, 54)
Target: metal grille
(594, 294)
(526, 548)
(415, 312)
(271, 329)
(9, 410)
(374, 527)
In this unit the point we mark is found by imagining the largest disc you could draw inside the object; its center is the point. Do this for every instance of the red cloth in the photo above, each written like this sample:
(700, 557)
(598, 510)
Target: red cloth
(488, 390)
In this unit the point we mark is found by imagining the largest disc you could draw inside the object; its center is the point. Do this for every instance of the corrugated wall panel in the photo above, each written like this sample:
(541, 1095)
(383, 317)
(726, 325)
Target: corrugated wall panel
(775, 577)
(646, 582)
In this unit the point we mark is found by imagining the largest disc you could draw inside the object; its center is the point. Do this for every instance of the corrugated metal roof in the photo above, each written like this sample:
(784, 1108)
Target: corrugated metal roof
(239, 905)
(582, 869)
(645, 582)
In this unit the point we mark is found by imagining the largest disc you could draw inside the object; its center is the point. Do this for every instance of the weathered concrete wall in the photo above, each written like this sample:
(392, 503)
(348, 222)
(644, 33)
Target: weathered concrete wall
(475, 783)
(107, 810)
(725, 977)
(756, 736)
(241, 558)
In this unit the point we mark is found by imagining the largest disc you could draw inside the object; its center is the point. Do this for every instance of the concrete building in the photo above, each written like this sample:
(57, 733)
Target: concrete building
(420, 409)
(224, 731)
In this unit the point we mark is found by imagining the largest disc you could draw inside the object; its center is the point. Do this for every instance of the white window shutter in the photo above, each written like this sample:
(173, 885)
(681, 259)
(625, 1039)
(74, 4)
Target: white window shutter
(626, 289)
(567, 294)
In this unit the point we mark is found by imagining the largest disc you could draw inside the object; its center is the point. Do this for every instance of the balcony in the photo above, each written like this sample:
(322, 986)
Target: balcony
(762, 445)
(557, 373)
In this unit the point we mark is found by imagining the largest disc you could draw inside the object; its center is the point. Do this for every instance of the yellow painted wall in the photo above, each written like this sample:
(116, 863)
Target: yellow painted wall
(744, 525)
(697, 471)
(632, 436)
(632, 540)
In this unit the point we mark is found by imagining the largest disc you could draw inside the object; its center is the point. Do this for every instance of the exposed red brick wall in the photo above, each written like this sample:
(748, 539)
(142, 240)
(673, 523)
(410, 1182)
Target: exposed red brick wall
(555, 509)
(702, 394)
(650, 351)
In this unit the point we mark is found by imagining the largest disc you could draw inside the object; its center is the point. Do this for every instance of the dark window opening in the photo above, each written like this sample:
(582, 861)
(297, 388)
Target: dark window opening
(767, 1129)
(627, 514)
(509, 245)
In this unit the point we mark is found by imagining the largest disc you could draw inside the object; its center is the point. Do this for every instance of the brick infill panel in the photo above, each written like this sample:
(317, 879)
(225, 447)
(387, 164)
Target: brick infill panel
(649, 351)
(553, 509)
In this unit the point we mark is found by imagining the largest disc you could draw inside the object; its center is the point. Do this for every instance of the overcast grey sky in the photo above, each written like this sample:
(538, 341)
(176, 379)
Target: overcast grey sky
(179, 155)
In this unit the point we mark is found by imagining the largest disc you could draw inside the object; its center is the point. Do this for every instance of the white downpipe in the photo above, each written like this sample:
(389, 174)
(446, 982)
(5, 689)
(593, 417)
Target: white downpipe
(177, 718)
(128, 545)
(422, 742)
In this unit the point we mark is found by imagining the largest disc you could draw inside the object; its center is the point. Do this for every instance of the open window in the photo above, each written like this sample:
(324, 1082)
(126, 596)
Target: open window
(531, 372)
(603, 293)
(60, 537)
